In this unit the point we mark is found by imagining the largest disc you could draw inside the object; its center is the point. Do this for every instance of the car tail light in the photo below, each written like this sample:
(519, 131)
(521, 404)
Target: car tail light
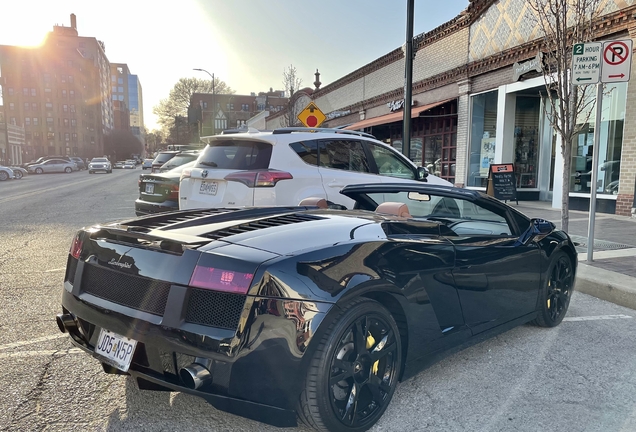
(174, 192)
(186, 173)
(265, 178)
(221, 280)
(76, 246)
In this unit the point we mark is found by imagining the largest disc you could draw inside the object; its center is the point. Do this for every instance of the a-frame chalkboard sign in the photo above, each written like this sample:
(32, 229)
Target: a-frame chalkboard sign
(502, 182)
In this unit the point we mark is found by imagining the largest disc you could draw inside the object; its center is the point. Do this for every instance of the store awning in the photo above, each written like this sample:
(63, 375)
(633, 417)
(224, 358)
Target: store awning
(393, 117)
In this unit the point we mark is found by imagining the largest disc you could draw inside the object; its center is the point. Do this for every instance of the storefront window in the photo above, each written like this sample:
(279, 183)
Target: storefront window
(527, 140)
(482, 137)
(611, 143)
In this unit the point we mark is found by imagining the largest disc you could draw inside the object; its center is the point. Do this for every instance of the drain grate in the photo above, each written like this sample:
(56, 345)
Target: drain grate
(599, 245)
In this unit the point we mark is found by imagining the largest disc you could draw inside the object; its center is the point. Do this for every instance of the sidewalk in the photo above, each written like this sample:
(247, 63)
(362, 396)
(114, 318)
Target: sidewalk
(611, 275)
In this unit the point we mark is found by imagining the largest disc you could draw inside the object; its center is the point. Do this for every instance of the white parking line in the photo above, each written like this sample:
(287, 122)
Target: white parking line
(54, 270)
(39, 353)
(32, 341)
(598, 318)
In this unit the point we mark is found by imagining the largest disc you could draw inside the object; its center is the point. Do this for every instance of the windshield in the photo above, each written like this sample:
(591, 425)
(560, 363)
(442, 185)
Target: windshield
(239, 155)
(99, 160)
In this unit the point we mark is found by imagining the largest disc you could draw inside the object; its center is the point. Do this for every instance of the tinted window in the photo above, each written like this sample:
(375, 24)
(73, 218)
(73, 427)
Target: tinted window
(389, 164)
(307, 151)
(460, 216)
(181, 159)
(238, 155)
(163, 158)
(345, 155)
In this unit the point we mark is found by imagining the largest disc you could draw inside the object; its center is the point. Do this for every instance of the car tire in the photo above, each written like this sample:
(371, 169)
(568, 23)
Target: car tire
(39, 171)
(354, 371)
(68, 170)
(90, 172)
(4, 175)
(555, 294)
(18, 174)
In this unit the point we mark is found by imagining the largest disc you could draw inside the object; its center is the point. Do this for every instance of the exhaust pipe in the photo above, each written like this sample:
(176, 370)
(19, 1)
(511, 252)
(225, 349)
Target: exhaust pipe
(195, 376)
(65, 322)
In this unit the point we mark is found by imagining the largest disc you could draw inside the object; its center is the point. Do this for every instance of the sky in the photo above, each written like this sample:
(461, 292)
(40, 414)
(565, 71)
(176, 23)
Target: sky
(246, 43)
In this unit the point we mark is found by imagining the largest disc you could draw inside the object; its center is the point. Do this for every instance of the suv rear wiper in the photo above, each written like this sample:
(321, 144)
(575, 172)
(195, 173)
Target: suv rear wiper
(210, 164)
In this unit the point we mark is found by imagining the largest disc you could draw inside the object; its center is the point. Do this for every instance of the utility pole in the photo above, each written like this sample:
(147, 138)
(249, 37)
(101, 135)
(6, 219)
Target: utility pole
(213, 101)
(408, 80)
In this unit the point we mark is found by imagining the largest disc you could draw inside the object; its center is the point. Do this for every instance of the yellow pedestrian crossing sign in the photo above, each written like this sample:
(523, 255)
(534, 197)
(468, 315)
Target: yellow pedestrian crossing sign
(311, 116)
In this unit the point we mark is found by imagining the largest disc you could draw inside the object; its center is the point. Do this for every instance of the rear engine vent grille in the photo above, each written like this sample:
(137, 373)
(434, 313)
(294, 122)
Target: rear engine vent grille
(132, 291)
(71, 267)
(147, 224)
(260, 224)
(215, 309)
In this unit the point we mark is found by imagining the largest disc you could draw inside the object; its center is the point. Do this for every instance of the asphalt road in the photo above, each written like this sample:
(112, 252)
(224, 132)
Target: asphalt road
(580, 376)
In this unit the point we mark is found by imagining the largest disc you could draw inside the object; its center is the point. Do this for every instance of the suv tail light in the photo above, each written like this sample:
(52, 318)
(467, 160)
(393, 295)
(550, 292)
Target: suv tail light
(186, 173)
(221, 280)
(76, 246)
(173, 193)
(264, 178)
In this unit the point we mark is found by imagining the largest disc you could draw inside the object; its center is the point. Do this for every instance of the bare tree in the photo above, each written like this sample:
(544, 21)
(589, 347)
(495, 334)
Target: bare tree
(291, 84)
(176, 104)
(564, 23)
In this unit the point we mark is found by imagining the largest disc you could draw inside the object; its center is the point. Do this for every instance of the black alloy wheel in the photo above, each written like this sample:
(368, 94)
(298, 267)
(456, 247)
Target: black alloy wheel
(355, 370)
(556, 293)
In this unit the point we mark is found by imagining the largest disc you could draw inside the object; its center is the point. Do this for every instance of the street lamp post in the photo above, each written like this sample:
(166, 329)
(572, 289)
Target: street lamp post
(213, 101)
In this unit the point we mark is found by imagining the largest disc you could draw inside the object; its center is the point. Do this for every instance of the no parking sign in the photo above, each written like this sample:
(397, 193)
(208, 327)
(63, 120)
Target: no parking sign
(616, 61)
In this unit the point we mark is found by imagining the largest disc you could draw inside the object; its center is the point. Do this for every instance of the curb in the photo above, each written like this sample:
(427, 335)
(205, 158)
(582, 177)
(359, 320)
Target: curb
(606, 285)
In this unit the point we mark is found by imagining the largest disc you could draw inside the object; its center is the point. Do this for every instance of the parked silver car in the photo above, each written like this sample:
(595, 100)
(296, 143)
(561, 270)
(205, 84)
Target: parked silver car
(19, 172)
(53, 166)
(6, 173)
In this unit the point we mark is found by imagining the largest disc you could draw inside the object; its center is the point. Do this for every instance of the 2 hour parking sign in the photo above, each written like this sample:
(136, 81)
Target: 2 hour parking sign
(616, 61)
(586, 63)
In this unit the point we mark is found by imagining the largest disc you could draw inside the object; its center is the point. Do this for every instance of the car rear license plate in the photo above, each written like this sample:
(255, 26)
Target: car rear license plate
(208, 188)
(116, 350)
(150, 188)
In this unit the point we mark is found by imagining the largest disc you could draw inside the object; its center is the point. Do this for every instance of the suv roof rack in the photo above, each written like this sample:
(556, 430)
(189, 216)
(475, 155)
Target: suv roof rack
(287, 130)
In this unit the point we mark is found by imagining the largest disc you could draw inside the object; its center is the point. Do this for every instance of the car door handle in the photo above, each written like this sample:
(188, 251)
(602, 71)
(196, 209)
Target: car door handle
(334, 183)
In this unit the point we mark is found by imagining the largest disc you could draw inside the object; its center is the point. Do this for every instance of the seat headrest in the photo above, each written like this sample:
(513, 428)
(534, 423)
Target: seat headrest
(394, 208)
(314, 202)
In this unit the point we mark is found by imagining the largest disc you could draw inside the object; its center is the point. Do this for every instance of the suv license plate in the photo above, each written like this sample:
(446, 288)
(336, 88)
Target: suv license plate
(115, 350)
(150, 188)
(208, 188)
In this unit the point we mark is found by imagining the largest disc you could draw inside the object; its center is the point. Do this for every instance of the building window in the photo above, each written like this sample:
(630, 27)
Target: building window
(113, 78)
(10, 90)
(49, 121)
(65, 108)
(49, 106)
(482, 137)
(230, 107)
(27, 106)
(70, 79)
(245, 107)
(36, 121)
(64, 93)
(47, 90)
(67, 137)
(27, 121)
(63, 78)
(11, 106)
(526, 140)
(205, 104)
(12, 120)
(114, 97)
(34, 106)
(120, 97)
(610, 140)
(50, 136)
(72, 108)
(73, 122)
(65, 121)
(114, 89)
(34, 92)
(47, 77)
(74, 137)
(120, 89)
(72, 94)
(120, 80)
(25, 91)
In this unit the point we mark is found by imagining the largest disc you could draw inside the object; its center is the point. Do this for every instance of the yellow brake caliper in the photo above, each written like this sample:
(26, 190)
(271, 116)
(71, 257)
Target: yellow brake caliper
(370, 343)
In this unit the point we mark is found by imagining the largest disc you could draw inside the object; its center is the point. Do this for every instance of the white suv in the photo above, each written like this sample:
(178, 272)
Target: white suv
(284, 166)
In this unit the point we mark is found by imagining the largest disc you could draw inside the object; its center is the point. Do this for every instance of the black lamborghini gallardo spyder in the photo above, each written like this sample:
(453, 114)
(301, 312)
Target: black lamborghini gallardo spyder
(310, 312)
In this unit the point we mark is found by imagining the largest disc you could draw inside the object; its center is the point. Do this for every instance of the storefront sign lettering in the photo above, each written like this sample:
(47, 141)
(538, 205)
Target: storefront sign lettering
(336, 114)
(520, 69)
(397, 105)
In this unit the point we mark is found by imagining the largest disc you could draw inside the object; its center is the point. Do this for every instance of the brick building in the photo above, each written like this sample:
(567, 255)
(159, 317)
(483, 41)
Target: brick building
(470, 109)
(59, 92)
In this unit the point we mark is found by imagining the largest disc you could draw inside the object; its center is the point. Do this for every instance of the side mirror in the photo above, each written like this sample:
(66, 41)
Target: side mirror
(422, 173)
(537, 231)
